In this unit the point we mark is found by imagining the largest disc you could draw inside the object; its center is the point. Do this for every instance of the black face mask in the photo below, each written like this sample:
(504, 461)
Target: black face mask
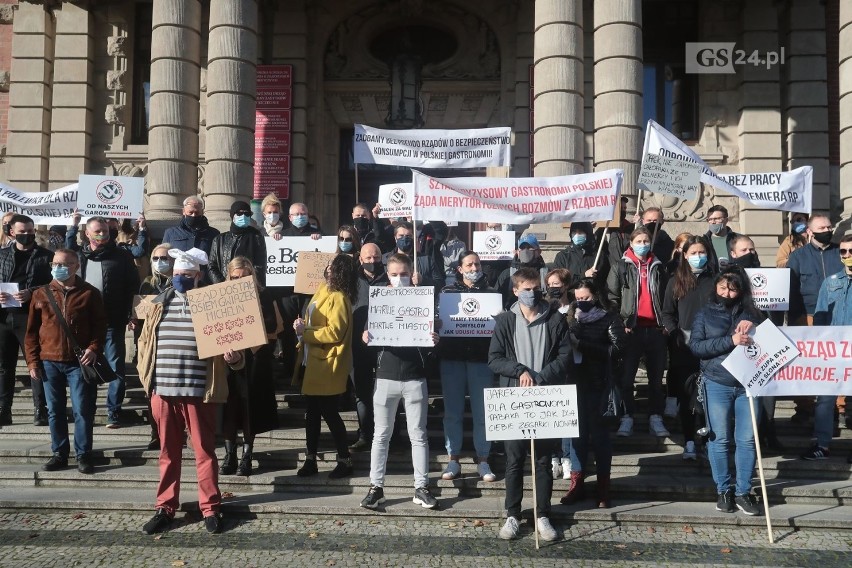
(25, 240)
(749, 260)
(192, 222)
(113, 234)
(361, 225)
(539, 295)
(554, 293)
(585, 305)
(7, 229)
(373, 267)
(652, 227)
(727, 302)
(823, 238)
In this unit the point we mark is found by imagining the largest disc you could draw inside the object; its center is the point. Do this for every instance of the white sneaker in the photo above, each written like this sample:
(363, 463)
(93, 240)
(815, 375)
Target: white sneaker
(510, 529)
(626, 427)
(689, 451)
(556, 468)
(566, 468)
(452, 470)
(671, 407)
(485, 472)
(545, 530)
(656, 426)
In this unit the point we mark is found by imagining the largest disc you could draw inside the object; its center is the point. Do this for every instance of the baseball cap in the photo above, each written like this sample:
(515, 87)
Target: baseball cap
(530, 240)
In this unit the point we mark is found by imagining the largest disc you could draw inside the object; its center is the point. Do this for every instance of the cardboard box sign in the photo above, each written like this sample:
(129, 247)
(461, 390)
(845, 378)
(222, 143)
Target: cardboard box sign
(226, 316)
(310, 271)
(142, 305)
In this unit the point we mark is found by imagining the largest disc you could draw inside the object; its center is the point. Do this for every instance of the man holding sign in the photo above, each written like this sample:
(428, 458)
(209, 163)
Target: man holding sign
(529, 348)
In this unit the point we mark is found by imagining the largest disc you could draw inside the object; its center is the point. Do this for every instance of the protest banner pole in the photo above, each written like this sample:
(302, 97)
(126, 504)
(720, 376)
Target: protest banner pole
(357, 194)
(600, 248)
(535, 501)
(751, 403)
(416, 239)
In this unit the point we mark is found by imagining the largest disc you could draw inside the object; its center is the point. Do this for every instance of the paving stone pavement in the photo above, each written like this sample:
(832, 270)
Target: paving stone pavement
(33, 539)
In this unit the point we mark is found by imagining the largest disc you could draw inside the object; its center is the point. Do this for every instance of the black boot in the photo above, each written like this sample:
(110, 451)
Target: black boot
(244, 468)
(40, 417)
(229, 464)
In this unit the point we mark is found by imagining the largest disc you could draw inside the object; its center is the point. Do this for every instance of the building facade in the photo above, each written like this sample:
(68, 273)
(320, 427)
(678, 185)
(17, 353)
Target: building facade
(167, 89)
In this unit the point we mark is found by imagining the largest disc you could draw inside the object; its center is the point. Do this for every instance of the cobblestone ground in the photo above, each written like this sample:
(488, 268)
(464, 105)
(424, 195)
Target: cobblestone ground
(115, 539)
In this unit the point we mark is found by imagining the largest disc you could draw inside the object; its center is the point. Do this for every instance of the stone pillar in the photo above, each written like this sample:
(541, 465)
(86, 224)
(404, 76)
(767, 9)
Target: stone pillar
(845, 116)
(173, 119)
(231, 91)
(291, 47)
(73, 96)
(618, 88)
(30, 97)
(588, 86)
(558, 87)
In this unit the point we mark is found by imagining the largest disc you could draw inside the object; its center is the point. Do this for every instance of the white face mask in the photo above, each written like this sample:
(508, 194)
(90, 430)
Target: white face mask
(400, 281)
(162, 266)
(272, 218)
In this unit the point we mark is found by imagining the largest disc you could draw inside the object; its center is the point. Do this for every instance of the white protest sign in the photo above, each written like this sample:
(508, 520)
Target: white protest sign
(669, 176)
(396, 200)
(282, 256)
(531, 413)
(583, 197)
(425, 148)
(770, 288)
(755, 364)
(494, 245)
(401, 317)
(120, 197)
(465, 314)
(824, 366)
(45, 208)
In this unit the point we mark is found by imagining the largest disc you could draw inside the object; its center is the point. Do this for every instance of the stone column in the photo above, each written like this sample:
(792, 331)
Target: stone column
(30, 97)
(73, 96)
(558, 87)
(173, 119)
(845, 116)
(290, 46)
(231, 91)
(618, 88)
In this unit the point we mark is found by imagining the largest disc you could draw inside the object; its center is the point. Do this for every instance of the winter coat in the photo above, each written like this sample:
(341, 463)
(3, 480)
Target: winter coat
(37, 273)
(224, 246)
(711, 340)
(601, 343)
(809, 266)
(120, 280)
(328, 340)
(679, 314)
(623, 286)
(578, 259)
(183, 237)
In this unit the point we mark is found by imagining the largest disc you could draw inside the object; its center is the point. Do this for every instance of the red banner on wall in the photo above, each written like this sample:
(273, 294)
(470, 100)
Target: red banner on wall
(272, 131)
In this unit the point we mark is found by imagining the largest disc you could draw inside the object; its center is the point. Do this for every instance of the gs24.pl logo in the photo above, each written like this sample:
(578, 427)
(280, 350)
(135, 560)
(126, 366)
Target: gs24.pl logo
(721, 57)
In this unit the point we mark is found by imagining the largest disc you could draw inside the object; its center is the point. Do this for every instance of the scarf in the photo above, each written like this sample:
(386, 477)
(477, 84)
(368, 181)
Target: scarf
(588, 317)
(272, 230)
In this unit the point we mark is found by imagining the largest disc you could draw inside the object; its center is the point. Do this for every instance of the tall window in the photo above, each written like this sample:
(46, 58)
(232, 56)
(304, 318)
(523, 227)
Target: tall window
(141, 73)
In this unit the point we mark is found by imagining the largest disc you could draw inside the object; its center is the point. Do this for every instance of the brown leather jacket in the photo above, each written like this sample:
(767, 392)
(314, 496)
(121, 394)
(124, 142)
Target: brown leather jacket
(83, 309)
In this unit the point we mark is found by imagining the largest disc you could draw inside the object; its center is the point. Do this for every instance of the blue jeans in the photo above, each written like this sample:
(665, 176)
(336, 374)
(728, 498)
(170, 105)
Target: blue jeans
(824, 419)
(724, 404)
(114, 352)
(57, 376)
(457, 378)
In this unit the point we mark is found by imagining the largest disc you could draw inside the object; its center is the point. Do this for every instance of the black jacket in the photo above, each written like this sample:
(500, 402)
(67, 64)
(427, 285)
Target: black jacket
(474, 349)
(679, 314)
(711, 251)
(401, 363)
(37, 274)
(578, 259)
(622, 284)
(120, 280)
(293, 231)
(503, 361)
(711, 341)
(360, 308)
(601, 343)
(183, 237)
(222, 252)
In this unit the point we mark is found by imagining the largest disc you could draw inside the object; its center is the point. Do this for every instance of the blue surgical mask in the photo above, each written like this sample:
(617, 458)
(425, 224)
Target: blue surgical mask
(579, 239)
(183, 283)
(404, 243)
(242, 221)
(697, 260)
(345, 246)
(60, 273)
(162, 266)
(299, 221)
(799, 228)
(641, 250)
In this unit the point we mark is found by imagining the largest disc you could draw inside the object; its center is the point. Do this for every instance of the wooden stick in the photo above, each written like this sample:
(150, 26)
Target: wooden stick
(751, 402)
(600, 248)
(535, 501)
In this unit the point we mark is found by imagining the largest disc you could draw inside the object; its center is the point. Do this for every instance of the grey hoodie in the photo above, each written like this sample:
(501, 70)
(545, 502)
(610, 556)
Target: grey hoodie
(531, 338)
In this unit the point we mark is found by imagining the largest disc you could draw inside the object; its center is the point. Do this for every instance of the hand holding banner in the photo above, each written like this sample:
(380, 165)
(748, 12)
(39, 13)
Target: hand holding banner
(669, 176)
(755, 365)
(770, 288)
(531, 413)
(401, 317)
(120, 197)
(465, 314)
(494, 245)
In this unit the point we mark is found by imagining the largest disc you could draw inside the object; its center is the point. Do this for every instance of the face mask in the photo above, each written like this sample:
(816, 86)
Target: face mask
(113, 234)
(727, 302)
(7, 229)
(716, 228)
(25, 240)
(161, 266)
(192, 222)
(399, 281)
(823, 238)
(526, 256)
(99, 238)
(404, 243)
(697, 260)
(563, 309)
(373, 267)
(585, 305)
(579, 239)
(361, 225)
(242, 221)
(847, 261)
(345, 247)
(529, 298)
(749, 260)
(799, 228)
(554, 292)
(60, 273)
(272, 218)
(641, 250)
(652, 227)
(56, 242)
(299, 221)
(183, 283)
(472, 276)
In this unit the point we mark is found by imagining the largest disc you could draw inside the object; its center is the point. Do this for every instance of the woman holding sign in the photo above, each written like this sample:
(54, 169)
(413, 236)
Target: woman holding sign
(720, 326)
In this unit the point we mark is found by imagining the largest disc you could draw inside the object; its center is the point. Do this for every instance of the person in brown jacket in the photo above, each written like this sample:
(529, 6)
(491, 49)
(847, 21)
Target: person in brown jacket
(50, 357)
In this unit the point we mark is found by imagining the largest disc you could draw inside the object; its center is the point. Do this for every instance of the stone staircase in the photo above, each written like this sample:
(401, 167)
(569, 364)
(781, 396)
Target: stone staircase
(651, 483)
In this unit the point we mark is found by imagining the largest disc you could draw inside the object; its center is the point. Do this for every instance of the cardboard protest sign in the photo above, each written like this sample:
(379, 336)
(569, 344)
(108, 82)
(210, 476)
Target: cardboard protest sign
(226, 316)
(468, 315)
(430, 148)
(583, 197)
(142, 306)
(45, 208)
(396, 200)
(770, 288)
(282, 256)
(824, 366)
(401, 317)
(669, 176)
(754, 365)
(531, 413)
(310, 271)
(120, 197)
(494, 245)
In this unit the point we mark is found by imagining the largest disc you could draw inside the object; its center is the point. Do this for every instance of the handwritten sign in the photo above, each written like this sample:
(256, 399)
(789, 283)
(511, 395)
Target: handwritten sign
(226, 316)
(754, 365)
(401, 317)
(142, 306)
(494, 245)
(770, 288)
(468, 315)
(282, 256)
(669, 176)
(531, 413)
(310, 271)
(110, 196)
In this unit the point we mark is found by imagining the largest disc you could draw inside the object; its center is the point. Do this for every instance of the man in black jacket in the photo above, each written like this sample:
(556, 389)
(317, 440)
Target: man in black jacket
(240, 240)
(530, 346)
(27, 265)
(527, 255)
(112, 271)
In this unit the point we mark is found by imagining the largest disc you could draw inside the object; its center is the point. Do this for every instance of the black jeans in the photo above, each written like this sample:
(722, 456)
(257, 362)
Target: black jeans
(594, 434)
(516, 457)
(650, 343)
(363, 382)
(324, 407)
(682, 363)
(13, 328)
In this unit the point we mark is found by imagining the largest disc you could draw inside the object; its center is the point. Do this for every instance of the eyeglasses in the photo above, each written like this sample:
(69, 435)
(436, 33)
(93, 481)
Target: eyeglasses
(244, 213)
(717, 219)
(345, 239)
(845, 251)
(60, 265)
(160, 258)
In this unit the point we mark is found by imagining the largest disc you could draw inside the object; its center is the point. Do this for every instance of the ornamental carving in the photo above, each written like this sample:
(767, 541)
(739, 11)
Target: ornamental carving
(116, 46)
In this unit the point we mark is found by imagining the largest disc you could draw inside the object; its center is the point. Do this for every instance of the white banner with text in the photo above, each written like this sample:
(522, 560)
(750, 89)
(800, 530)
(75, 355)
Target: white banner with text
(531, 413)
(282, 256)
(401, 317)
